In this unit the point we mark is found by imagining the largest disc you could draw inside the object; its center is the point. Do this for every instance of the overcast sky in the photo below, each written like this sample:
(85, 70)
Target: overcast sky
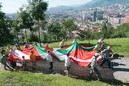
(11, 6)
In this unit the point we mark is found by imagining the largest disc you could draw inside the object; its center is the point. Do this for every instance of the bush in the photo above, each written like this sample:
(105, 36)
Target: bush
(33, 38)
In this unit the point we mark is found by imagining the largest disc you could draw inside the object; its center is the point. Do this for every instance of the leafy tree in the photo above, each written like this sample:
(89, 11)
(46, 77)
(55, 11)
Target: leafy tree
(69, 26)
(107, 29)
(36, 9)
(23, 21)
(5, 36)
(15, 28)
(55, 29)
(121, 31)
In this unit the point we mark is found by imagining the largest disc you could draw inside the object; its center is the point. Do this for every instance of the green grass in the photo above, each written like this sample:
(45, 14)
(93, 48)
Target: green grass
(119, 45)
(38, 79)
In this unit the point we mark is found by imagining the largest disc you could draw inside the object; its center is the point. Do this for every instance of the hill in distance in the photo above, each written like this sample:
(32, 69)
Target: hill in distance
(102, 3)
(91, 4)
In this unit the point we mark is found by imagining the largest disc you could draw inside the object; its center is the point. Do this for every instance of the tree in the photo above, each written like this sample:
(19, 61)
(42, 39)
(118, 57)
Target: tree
(107, 29)
(15, 28)
(69, 26)
(36, 9)
(55, 29)
(121, 31)
(5, 36)
(23, 21)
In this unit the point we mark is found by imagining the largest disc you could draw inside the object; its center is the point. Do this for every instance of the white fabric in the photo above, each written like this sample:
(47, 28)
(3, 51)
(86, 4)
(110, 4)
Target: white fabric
(48, 57)
(62, 57)
(93, 62)
(20, 54)
(59, 55)
(67, 62)
(99, 40)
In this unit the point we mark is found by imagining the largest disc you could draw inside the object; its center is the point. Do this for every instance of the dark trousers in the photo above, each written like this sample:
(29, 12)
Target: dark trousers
(34, 65)
(67, 68)
(24, 66)
(51, 66)
(108, 61)
(13, 64)
(96, 71)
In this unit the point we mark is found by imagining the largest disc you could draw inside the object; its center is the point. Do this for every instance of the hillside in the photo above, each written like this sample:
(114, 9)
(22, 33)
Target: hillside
(99, 3)
(91, 4)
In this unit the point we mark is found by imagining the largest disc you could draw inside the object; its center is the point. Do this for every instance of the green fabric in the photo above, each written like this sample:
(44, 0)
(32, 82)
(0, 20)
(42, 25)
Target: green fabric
(3, 59)
(40, 49)
(88, 48)
(69, 49)
(75, 45)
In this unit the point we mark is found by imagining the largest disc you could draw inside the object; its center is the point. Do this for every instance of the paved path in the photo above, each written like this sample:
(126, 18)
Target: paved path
(121, 69)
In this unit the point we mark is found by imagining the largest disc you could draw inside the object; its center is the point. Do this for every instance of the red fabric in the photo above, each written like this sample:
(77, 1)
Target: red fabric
(81, 55)
(12, 57)
(32, 49)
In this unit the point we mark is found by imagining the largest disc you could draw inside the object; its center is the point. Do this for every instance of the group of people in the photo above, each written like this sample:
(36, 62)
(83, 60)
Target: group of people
(4, 60)
(12, 63)
(93, 66)
(7, 59)
(105, 53)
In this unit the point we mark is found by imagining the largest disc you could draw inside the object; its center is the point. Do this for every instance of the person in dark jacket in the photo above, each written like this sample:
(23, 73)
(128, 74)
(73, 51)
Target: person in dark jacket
(105, 56)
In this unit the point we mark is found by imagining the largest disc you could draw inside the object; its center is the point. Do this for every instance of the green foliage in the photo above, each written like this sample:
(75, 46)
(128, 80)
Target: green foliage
(30, 18)
(121, 31)
(68, 26)
(5, 36)
(33, 38)
(36, 9)
(108, 31)
(55, 29)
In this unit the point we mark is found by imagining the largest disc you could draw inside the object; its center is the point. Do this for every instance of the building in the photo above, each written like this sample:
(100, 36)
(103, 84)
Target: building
(126, 19)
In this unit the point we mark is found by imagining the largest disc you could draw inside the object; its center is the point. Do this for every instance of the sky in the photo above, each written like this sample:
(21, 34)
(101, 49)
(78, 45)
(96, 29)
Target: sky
(12, 6)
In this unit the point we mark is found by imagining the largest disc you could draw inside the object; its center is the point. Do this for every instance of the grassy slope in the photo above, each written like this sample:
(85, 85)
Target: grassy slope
(37, 79)
(119, 45)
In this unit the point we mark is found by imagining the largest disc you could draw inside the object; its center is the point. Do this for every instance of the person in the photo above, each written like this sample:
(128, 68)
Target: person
(61, 45)
(24, 65)
(7, 49)
(18, 46)
(3, 60)
(26, 45)
(49, 59)
(33, 60)
(94, 66)
(100, 45)
(3, 51)
(11, 58)
(105, 56)
(67, 65)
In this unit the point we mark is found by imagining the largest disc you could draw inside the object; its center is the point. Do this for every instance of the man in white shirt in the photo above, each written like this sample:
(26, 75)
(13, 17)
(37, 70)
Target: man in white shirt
(49, 59)
(67, 65)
